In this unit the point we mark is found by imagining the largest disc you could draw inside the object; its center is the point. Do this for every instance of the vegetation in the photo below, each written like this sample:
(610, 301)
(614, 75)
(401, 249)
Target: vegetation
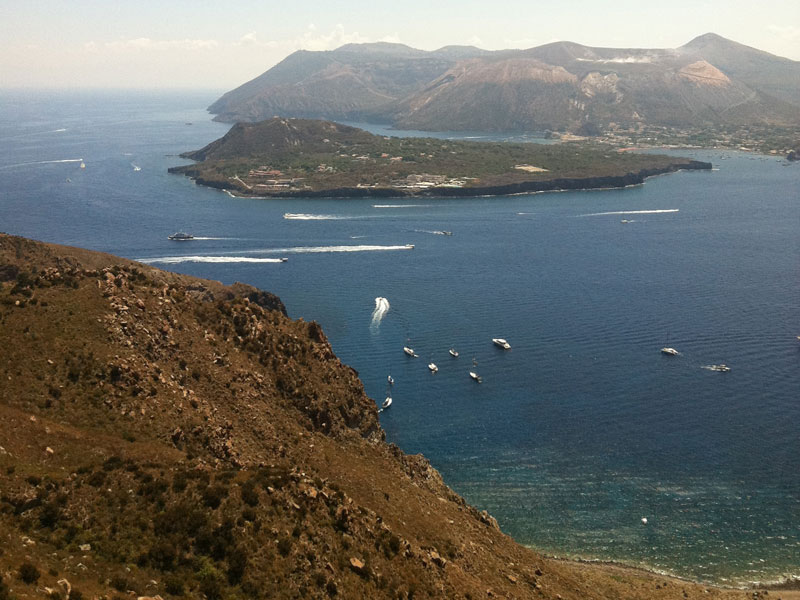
(282, 156)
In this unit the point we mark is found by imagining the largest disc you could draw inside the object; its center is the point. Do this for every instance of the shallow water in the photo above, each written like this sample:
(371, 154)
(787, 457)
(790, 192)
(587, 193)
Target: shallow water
(581, 429)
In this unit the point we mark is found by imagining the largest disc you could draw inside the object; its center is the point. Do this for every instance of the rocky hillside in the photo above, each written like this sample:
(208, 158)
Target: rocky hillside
(561, 86)
(166, 436)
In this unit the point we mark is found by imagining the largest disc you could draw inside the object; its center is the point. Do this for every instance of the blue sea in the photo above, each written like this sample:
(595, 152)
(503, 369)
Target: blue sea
(579, 431)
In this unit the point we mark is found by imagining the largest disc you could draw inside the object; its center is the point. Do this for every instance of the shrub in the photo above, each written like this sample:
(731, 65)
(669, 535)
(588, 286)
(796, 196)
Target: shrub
(213, 495)
(173, 585)
(119, 583)
(28, 573)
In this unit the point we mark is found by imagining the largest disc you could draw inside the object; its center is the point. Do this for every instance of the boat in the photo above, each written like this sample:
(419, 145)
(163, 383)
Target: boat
(475, 376)
(447, 233)
(386, 403)
(670, 351)
(500, 342)
(283, 259)
(433, 368)
(180, 236)
(410, 352)
(453, 353)
(83, 165)
(390, 379)
(722, 368)
(409, 246)
(624, 221)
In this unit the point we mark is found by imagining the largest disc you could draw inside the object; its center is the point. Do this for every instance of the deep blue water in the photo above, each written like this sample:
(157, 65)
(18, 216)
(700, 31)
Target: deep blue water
(580, 430)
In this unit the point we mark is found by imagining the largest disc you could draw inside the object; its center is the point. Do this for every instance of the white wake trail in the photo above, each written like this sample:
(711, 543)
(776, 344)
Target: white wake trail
(401, 205)
(381, 308)
(43, 162)
(324, 249)
(633, 212)
(174, 260)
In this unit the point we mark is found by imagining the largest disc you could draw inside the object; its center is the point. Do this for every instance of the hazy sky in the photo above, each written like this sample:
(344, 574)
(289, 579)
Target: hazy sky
(219, 45)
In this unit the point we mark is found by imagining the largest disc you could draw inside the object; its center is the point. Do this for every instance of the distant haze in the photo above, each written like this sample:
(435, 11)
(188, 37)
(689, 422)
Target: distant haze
(183, 44)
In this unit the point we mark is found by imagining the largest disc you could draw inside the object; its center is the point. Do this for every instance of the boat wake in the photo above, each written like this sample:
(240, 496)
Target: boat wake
(307, 217)
(433, 232)
(174, 260)
(43, 162)
(381, 308)
(633, 212)
(197, 237)
(324, 249)
(401, 205)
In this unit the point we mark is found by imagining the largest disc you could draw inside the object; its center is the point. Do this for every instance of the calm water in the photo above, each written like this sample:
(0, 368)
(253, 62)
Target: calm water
(580, 430)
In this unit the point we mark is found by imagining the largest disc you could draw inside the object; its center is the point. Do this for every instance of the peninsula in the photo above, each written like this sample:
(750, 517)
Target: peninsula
(283, 157)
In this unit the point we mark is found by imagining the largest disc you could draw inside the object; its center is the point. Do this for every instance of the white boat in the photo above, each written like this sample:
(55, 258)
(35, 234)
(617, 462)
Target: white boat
(722, 368)
(180, 236)
(624, 221)
(453, 353)
(433, 367)
(500, 342)
(410, 351)
(409, 246)
(475, 376)
(390, 379)
(386, 403)
(670, 351)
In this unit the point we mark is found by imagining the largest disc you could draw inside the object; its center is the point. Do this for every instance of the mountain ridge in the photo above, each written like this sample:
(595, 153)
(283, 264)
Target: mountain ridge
(394, 83)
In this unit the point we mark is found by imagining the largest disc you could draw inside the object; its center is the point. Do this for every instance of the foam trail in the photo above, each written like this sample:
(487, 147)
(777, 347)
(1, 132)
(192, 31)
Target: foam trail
(215, 238)
(433, 232)
(632, 212)
(324, 249)
(401, 205)
(43, 162)
(307, 217)
(174, 260)
(381, 308)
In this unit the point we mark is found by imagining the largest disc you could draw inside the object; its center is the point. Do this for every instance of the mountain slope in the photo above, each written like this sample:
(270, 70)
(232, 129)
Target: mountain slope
(563, 85)
(167, 435)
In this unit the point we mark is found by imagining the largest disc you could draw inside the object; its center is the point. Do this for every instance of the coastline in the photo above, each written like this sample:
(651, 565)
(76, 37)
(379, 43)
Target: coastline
(560, 184)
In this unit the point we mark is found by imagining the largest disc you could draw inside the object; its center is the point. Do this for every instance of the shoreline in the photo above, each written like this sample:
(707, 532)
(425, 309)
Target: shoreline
(562, 184)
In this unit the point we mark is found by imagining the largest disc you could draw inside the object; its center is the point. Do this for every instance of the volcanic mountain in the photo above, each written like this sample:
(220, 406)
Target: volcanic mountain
(560, 86)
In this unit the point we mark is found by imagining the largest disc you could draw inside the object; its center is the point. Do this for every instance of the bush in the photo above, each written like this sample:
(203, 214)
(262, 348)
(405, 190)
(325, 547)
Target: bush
(28, 573)
(213, 495)
(172, 585)
(119, 583)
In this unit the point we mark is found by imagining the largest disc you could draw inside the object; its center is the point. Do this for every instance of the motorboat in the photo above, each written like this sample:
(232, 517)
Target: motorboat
(453, 353)
(500, 342)
(409, 246)
(283, 259)
(722, 368)
(386, 403)
(390, 379)
(447, 233)
(180, 236)
(670, 351)
(624, 221)
(433, 368)
(475, 376)
(410, 352)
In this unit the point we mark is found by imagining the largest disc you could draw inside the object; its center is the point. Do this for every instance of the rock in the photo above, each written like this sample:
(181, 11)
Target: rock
(85, 547)
(438, 560)
(357, 565)
(49, 451)
(511, 578)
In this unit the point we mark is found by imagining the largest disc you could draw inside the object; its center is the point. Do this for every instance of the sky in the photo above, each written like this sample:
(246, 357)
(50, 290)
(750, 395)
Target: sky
(219, 45)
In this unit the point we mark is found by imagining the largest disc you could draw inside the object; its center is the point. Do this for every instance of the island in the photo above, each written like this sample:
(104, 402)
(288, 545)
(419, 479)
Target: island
(283, 157)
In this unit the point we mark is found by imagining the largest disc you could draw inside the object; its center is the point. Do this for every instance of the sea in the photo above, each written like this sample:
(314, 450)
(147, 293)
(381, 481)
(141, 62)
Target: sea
(583, 439)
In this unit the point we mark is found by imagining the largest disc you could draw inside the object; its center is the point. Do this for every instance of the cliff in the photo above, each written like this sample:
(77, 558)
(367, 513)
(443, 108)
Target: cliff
(165, 435)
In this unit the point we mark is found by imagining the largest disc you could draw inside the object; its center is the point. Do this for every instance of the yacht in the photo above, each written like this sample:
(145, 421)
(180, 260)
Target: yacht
(475, 376)
(432, 366)
(386, 403)
(390, 379)
(410, 352)
(500, 342)
(453, 353)
(722, 368)
(670, 351)
(180, 236)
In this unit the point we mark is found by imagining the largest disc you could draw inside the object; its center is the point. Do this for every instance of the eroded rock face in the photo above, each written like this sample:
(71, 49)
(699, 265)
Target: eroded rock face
(704, 73)
(596, 83)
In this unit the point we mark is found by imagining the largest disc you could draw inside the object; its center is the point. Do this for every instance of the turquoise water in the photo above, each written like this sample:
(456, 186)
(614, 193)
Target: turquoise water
(581, 429)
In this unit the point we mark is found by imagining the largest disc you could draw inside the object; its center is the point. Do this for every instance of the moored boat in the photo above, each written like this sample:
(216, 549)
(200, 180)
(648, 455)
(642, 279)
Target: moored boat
(475, 376)
(501, 343)
(670, 351)
(453, 353)
(386, 403)
(433, 368)
(410, 352)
